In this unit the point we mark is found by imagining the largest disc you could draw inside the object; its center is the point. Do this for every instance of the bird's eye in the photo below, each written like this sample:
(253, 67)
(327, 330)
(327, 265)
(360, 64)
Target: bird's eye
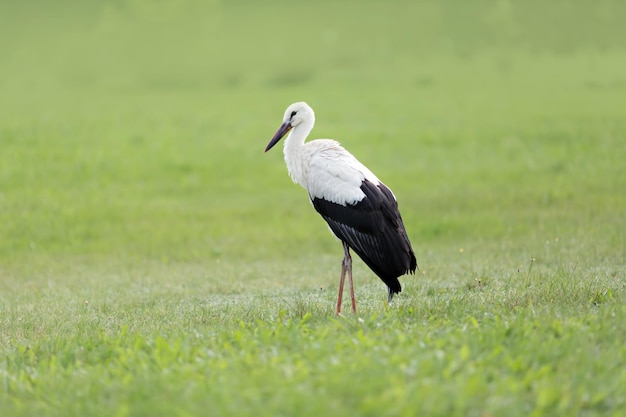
(293, 113)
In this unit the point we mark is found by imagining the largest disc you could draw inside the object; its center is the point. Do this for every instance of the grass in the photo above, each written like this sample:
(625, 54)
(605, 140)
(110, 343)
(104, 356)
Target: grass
(153, 261)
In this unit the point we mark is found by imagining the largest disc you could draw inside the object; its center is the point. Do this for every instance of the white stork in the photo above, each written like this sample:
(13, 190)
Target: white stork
(359, 209)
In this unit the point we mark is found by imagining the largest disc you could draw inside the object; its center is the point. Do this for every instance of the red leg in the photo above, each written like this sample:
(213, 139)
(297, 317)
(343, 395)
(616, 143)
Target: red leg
(349, 267)
(346, 265)
(343, 276)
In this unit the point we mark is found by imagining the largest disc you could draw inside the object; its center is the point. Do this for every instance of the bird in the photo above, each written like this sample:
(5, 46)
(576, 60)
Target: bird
(359, 209)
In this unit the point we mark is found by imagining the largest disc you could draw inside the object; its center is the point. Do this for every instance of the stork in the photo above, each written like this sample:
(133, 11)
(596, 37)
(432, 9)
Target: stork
(359, 209)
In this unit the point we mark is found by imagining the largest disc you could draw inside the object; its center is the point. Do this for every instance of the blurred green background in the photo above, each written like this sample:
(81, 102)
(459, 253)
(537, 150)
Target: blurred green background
(135, 129)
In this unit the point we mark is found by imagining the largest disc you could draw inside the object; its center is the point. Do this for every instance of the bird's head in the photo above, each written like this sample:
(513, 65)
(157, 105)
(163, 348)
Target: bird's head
(296, 114)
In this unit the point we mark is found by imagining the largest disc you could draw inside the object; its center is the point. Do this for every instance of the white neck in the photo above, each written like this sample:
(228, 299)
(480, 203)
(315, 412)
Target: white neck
(295, 158)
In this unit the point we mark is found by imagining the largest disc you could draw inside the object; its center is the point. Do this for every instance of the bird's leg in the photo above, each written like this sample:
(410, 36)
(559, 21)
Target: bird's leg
(347, 262)
(341, 280)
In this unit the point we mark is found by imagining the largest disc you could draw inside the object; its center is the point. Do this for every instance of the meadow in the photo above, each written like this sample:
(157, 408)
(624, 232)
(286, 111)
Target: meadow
(155, 262)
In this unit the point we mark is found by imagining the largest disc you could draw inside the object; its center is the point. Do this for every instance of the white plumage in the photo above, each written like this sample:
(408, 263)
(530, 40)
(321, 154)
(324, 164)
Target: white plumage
(323, 167)
(358, 207)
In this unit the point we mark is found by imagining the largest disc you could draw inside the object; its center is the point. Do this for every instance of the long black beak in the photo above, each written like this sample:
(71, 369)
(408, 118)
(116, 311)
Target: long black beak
(282, 131)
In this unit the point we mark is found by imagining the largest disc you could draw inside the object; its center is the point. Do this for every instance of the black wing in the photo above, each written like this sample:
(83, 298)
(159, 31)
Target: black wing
(373, 229)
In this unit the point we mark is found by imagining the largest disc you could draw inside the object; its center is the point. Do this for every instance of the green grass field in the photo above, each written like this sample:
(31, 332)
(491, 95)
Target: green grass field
(155, 262)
